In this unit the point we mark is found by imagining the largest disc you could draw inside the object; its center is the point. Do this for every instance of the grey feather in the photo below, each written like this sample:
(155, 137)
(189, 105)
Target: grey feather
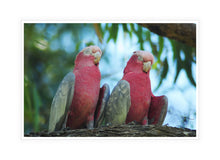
(163, 111)
(61, 103)
(118, 104)
(103, 105)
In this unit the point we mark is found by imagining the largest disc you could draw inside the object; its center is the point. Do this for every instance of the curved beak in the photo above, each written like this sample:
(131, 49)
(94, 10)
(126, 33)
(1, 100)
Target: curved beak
(97, 56)
(146, 66)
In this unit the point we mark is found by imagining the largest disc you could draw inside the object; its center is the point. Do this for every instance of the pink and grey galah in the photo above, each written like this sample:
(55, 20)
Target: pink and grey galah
(132, 98)
(79, 101)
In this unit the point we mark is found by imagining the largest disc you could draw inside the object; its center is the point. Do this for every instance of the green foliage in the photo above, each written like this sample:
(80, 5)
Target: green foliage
(113, 32)
(183, 63)
(32, 104)
(163, 73)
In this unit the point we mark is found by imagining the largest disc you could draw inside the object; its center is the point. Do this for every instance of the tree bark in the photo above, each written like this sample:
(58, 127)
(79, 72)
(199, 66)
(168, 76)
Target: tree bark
(182, 32)
(130, 130)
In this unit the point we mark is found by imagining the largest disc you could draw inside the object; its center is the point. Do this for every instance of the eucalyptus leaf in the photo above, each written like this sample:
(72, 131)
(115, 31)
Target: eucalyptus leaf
(163, 73)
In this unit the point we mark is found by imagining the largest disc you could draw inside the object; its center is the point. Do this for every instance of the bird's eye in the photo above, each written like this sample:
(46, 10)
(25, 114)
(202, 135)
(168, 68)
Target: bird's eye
(140, 58)
(87, 51)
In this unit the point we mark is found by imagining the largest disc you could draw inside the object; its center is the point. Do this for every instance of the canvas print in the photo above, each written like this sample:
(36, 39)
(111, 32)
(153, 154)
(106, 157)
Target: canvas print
(110, 79)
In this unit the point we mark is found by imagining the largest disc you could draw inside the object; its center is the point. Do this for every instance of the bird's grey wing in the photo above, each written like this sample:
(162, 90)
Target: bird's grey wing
(158, 110)
(61, 103)
(103, 99)
(118, 104)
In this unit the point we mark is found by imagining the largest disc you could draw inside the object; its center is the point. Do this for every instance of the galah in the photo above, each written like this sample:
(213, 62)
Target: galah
(132, 98)
(79, 101)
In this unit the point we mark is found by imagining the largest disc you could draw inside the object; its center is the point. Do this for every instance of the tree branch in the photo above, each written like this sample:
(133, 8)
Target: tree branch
(182, 32)
(130, 130)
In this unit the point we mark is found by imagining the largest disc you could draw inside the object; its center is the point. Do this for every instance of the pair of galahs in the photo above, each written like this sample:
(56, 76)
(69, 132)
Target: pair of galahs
(81, 103)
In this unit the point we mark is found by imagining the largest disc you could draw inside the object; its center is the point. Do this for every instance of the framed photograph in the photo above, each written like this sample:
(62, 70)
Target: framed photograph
(110, 79)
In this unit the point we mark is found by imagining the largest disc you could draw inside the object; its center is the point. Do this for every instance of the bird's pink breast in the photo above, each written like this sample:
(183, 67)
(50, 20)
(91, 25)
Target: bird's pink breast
(140, 92)
(86, 92)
